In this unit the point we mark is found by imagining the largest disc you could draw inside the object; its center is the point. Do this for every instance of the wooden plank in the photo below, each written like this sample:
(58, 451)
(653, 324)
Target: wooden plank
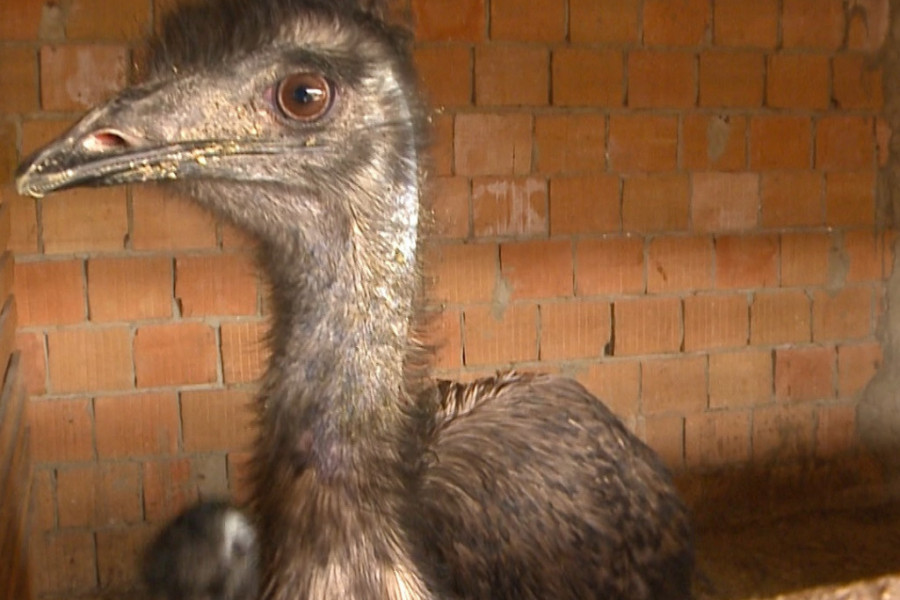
(15, 483)
(5, 226)
(12, 408)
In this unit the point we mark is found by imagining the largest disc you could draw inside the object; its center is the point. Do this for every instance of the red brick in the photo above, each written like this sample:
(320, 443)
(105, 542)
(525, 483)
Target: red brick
(804, 258)
(792, 199)
(99, 495)
(175, 354)
(604, 87)
(716, 439)
(528, 20)
(34, 361)
(442, 146)
(836, 430)
(138, 425)
(445, 20)
(511, 75)
(462, 274)
(18, 79)
(724, 201)
(842, 314)
(679, 264)
(739, 379)
(785, 71)
(493, 144)
(442, 336)
(604, 21)
(647, 326)
(813, 24)
(780, 317)
(714, 142)
(116, 552)
(742, 23)
(537, 269)
(656, 203)
(857, 83)
(61, 430)
(67, 560)
(665, 435)
(569, 143)
(85, 219)
(50, 292)
(746, 261)
(214, 420)
(574, 330)
(506, 206)
(850, 198)
(132, 288)
(845, 143)
(804, 373)
(782, 432)
(169, 486)
(88, 359)
(499, 337)
(731, 79)
(451, 207)
(857, 364)
(164, 222)
(245, 352)
(23, 222)
(69, 79)
(609, 266)
(674, 385)
(715, 321)
(780, 142)
(21, 21)
(865, 254)
(659, 79)
(446, 74)
(585, 204)
(640, 142)
(676, 23)
(616, 383)
(121, 20)
(221, 284)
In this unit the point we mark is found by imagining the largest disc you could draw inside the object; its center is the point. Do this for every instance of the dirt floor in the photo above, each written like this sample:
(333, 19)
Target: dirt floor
(817, 548)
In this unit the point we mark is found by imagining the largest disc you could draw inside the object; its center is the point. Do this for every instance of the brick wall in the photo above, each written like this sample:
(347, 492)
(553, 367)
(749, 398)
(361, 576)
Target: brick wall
(673, 201)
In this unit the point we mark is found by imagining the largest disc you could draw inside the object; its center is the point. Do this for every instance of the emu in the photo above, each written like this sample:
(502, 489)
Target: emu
(299, 121)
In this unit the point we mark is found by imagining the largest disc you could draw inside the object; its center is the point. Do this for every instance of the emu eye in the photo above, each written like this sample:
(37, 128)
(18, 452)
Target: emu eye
(304, 96)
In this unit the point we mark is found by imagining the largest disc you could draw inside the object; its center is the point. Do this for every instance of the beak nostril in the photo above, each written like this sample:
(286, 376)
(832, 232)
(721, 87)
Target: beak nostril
(104, 141)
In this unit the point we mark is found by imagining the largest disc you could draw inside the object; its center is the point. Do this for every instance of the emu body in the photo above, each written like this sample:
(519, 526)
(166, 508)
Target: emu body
(298, 121)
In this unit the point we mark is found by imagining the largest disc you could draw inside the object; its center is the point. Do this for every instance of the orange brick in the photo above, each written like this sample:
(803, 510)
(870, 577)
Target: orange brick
(845, 143)
(221, 284)
(121, 20)
(883, 135)
(163, 222)
(604, 87)
(857, 364)
(442, 337)
(804, 373)
(245, 352)
(43, 506)
(798, 81)
(462, 273)
(836, 430)
(215, 420)
(716, 439)
(679, 264)
(18, 79)
(724, 201)
(850, 198)
(868, 28)
(450, 204)
(569, 143)
(493, 144)
(643, 142)
(528, 20)
(61, 430)
(731, 79)
(585, 204)
(511, 75)
(36, 134)
(446, 74)
(499, 337)
(673, 385)
(574, 330)
(21, 21)
(742, 23)
(843, 314)
(813, 24)
(116, 552)
(647, 326)
(739, 379)
(782, 432)
(537, 269)
(715, 321)
(69, 79)
(445, 20)
(90, 359)
(656, 203)
(665, 434)
(865, 254)
(804, 258)
(714, 142)
(169, 486)
(34, 361)
(68, 563)
(780, 142)
(85, 219)
(138, 425)
(792, 199)
(780, 317)
(659, 79)
(857, 83)
(8, 153)
(99, 495)
(50, 292)
(609, 266)
(132, 288)
(746, 261)
(604, 21)
(175, 354)
(676, 23)
(239, 476)
(505, 206)
(442, 144)
(616, 383)
(236, 239)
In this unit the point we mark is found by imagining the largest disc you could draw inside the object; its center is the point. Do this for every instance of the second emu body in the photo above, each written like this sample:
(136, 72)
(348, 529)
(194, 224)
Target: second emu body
(298, 121)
